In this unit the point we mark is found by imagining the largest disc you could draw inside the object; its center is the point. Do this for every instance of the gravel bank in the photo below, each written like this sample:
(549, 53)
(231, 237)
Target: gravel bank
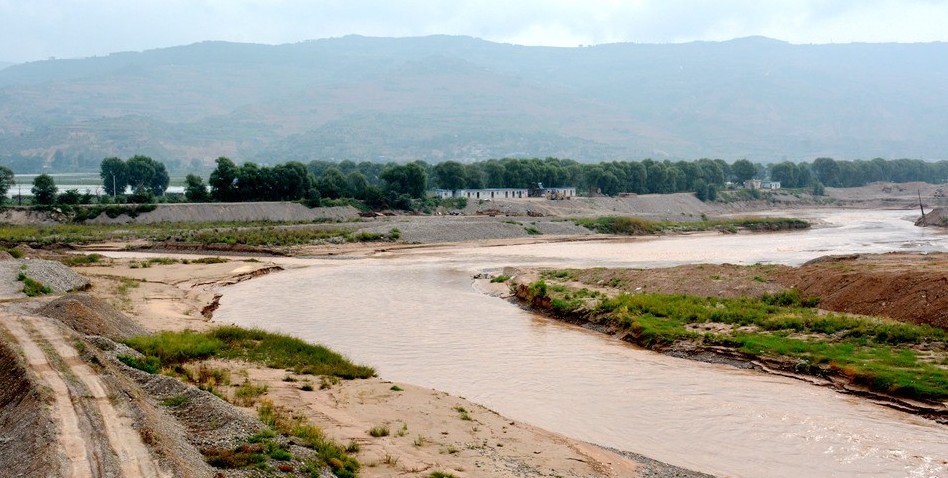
(232, 212)
(656, 469)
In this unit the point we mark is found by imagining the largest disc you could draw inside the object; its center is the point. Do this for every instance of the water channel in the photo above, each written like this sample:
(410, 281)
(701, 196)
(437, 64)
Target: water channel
(416, 318)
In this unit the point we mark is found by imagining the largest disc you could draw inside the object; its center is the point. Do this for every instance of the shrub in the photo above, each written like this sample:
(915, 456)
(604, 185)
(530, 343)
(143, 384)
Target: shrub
(379, 431)
(175, 401)
(145, 364)
(31, 287)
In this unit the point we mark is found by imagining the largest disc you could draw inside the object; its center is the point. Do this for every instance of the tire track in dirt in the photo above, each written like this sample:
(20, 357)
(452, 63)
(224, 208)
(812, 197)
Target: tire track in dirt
(124, 441)
(71, 437)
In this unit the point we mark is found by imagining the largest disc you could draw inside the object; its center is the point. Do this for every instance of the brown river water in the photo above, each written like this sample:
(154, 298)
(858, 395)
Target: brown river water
(417, 317)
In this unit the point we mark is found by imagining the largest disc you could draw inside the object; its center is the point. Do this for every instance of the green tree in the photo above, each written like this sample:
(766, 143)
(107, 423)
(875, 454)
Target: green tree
(69, 197)
(146, 174)
(826, 171)
(195, 189)
(7, 180)
(114, 174)
(787, 173)
(450, 175)
(44, 190)
(223, 180)
(333, 184)
(701, 189)
(743, 170)
(251, 182)
(292, 180)
(358, 184)
(409, 179)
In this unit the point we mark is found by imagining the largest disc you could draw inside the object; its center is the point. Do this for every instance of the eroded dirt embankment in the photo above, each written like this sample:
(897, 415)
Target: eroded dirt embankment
(902, 286)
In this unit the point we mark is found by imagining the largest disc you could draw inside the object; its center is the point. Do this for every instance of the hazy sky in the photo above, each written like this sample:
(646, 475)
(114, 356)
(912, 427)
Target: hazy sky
(38, 29)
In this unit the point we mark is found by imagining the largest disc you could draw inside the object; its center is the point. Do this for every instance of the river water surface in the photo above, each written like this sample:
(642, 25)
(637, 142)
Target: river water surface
(416, 318)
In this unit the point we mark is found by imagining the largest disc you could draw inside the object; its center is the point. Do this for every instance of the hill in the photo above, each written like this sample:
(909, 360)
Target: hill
(439, 97)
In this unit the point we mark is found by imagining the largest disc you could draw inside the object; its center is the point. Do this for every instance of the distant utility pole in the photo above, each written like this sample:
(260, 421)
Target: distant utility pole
(920, 203)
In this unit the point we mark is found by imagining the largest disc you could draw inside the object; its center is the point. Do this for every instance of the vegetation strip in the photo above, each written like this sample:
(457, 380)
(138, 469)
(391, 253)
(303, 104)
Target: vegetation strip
(885, 356)
(251, 234)
(638, 226)
(253, 345)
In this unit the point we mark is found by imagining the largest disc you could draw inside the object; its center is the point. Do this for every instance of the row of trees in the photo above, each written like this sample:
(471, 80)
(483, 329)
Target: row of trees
(390, 185)
(381, 185)
(44, 190)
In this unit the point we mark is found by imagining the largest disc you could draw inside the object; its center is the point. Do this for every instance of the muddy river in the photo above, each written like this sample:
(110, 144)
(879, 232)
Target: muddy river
(417, 318)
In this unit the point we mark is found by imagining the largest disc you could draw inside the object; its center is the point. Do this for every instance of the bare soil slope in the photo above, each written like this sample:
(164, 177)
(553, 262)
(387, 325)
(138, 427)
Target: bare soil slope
(906, 287)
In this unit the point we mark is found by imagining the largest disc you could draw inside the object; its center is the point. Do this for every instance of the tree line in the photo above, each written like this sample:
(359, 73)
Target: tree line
(392, 185)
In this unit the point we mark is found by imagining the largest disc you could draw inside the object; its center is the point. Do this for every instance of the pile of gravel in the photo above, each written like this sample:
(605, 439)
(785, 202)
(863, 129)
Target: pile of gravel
(232, 212)
(59, 278)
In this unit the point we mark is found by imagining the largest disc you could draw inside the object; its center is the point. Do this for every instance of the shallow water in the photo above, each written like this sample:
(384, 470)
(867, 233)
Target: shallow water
(416, 317)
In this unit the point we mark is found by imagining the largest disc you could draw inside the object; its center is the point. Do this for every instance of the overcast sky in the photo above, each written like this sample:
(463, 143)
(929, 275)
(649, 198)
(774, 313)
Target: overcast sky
(39, 29)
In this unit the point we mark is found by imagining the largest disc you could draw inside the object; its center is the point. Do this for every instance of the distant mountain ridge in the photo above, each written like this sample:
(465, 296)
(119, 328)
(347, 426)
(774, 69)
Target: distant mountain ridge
(440, 97)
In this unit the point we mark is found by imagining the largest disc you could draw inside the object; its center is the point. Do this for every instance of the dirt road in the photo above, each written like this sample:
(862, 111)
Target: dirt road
(95, 437)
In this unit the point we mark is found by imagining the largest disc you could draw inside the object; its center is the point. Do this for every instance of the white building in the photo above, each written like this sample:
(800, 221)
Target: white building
(486, 194)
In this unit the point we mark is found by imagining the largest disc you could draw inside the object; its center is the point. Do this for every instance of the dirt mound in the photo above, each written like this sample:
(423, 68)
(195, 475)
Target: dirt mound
(91, 316)
(936, 217)
(906, 287)
(702, 280)
(27, 432)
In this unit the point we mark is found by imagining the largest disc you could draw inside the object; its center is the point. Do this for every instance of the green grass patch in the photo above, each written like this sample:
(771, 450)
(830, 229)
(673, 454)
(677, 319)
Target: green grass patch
(145, 364)
(82, 260)
(32, 287)
(260, 233)
(252, 345)
(623, 225)
(499, 279)
(175, 401)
